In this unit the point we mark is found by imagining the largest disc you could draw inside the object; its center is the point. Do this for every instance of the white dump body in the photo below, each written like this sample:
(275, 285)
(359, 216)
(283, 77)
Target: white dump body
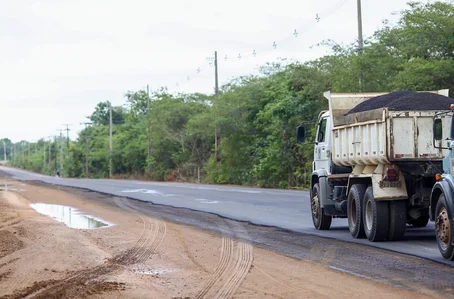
(380, 136)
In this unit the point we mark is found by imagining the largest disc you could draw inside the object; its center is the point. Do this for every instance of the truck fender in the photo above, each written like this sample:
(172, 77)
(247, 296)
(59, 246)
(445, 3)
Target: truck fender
(442, 187)
(321, 177)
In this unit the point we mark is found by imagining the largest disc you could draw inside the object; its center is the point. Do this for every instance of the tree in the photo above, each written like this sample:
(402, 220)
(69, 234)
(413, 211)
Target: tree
(101, 116)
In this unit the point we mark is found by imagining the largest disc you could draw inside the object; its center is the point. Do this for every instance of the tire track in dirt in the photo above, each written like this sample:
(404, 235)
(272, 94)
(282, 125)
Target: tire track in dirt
(156, 234)
(241, 269)
(156, 241)
(227, 248)
(9, 223)
(147, 231)
(231, 270)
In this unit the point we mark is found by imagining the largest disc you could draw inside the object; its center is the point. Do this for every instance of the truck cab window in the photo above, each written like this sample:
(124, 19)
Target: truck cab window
(321, 130)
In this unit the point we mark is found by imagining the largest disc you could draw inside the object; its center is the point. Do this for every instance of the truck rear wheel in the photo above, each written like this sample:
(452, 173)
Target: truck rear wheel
(397, 220)
(354, 210)
(375, 217)
(443, 229)
(320, 220)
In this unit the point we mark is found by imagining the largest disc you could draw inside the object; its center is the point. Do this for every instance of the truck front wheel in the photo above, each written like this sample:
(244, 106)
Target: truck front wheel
(354, 210)
(375, 216)
(443, 229)
(320, 220)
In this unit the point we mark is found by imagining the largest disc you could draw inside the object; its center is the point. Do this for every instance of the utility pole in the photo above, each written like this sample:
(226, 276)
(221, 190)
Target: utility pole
(86, 147)
(50, 145)
(23, 152)
(216, 94)
(44, 154)
(4, 150)
(61, 152)
(67, 136)
(360, 28)
(360, 44)
(28, 143)
(216, 85)
(55, 160)
(110, 140)
(148, 132)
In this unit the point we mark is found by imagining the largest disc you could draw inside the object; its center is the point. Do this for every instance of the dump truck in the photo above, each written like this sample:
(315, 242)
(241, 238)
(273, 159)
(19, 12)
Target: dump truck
(383, 168)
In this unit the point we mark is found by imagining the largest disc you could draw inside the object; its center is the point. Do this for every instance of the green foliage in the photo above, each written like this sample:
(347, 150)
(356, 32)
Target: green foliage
(255, 116)
(101, 117)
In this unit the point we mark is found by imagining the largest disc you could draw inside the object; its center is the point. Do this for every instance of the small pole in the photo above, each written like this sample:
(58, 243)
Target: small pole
(149, 133)
(110, 141)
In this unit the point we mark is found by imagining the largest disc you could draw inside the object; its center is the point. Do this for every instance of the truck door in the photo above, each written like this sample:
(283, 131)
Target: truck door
(321, 151)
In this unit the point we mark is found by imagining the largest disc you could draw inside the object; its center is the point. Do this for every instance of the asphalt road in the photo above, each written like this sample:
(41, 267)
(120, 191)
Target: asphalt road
(278, 208)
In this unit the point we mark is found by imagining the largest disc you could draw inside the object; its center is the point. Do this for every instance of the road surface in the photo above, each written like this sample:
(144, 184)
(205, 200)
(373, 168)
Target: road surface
(278, 208)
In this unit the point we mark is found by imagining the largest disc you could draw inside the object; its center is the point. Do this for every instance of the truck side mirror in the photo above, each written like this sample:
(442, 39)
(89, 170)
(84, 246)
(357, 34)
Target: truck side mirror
(300, 134)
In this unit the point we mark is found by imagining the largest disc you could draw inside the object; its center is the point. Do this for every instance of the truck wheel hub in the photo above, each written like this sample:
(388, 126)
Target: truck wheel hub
(443, 227)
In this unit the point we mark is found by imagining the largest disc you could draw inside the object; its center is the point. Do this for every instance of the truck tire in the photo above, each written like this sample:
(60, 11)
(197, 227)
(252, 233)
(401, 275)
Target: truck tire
(397, 220)
(320, 220)
(354, 210)
(421, 221)
(375, 217)
(443, 229)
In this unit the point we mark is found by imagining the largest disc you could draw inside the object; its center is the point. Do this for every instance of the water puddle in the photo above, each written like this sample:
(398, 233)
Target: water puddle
(71, 217)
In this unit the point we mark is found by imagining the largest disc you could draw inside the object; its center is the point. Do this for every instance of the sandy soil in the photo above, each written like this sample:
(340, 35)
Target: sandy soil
(142, 257)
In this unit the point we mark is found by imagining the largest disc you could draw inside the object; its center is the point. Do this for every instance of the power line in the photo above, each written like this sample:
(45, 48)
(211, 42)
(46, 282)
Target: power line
(295, 34)
(275, 44)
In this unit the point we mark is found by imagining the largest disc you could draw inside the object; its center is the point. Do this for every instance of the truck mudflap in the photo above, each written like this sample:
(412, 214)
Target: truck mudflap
(443, 187)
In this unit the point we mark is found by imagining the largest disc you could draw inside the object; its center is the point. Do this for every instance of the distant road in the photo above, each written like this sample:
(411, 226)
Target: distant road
(279, 208)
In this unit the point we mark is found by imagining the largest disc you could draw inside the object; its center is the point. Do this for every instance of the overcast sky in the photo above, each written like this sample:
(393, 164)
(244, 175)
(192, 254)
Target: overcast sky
(59, 58)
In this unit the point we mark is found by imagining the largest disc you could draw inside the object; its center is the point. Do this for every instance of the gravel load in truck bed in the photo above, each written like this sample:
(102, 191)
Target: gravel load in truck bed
(405, 100)
(421, 101)
(380, 101)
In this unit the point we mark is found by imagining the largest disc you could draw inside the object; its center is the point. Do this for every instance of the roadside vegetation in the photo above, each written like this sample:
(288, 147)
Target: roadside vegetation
(255, 115)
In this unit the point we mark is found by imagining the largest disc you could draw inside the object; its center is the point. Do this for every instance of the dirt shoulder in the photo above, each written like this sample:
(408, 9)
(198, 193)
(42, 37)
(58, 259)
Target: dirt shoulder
(147, 257)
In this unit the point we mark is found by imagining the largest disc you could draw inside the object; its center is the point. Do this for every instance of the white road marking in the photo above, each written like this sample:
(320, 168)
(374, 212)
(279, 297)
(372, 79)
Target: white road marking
(203, 200)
